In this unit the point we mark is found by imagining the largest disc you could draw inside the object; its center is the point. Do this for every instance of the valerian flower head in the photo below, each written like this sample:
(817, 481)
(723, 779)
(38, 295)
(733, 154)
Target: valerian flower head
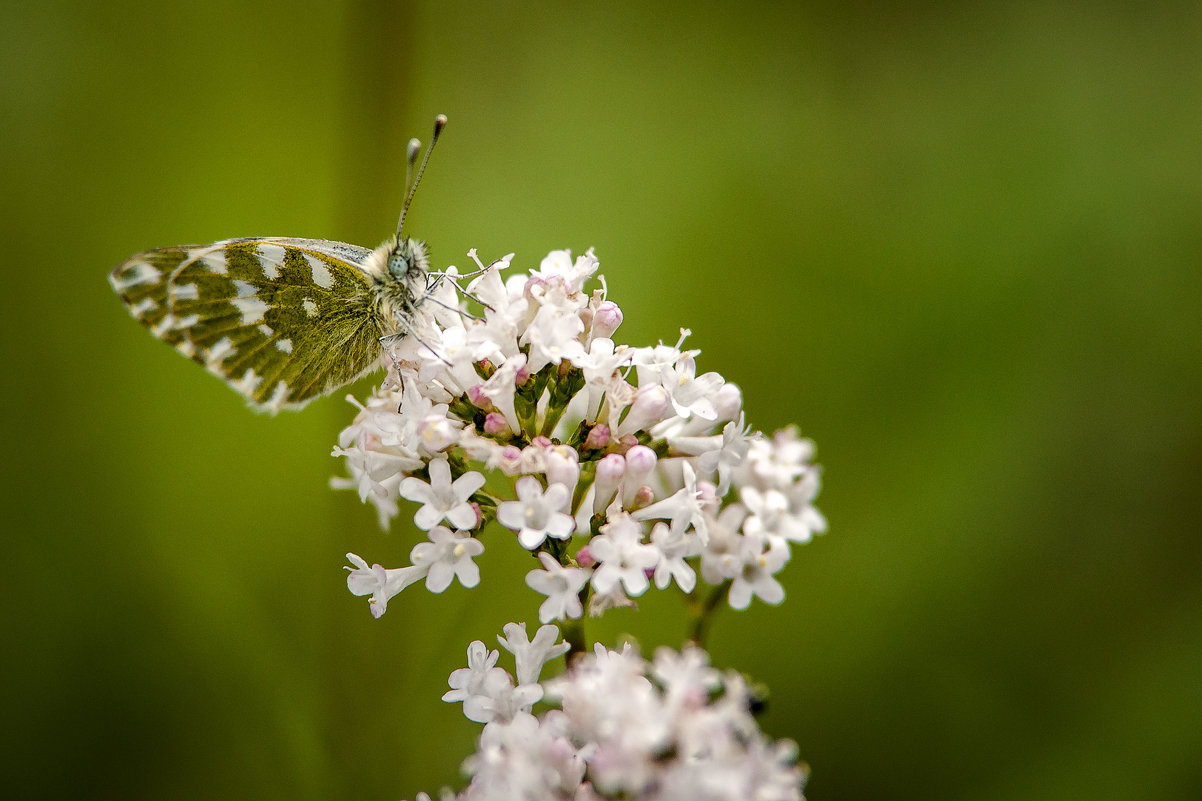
(622, 467)
(619, 726)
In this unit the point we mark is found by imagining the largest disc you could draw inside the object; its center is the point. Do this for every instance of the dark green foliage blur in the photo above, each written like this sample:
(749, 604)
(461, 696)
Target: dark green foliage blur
(959, 244)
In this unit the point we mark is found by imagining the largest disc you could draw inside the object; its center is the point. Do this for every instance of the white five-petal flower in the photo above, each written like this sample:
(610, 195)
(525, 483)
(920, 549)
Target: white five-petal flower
(441, 499)
(561, 585)
(622, 556)
(448, 555)
(537, 514)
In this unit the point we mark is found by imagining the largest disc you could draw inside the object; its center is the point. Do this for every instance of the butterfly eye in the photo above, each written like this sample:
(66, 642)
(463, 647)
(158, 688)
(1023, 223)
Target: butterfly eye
(399, 263)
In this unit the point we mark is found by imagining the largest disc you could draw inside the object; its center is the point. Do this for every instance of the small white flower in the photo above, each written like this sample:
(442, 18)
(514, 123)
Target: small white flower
(804, 520)
(441, 499)
(489, 287)
(437, 433)
(651, 361)
(469, 680)
(500, 387)
(499, 699)
(691, 394)
(619, 395)
(601, 602)
(778, 462)
(716, 453)
(561, 585)
(599, 366)
(761, 557)
(559, 264)
(380, 583)
(487, 692)
(553, 335)
(767, 508)
(448, 555)
(674, 548)
(380, 448)
(685, 507)
(622, 556)
(686, 676)
(537, 514)
(601, 361)
(531, 655)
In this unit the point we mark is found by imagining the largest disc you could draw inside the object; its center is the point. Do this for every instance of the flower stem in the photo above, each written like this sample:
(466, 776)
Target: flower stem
(573, 635)
(703, 613)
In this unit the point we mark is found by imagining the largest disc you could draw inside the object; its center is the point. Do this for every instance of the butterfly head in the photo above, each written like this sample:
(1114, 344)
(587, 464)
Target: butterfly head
(407, 259)
(404, 257)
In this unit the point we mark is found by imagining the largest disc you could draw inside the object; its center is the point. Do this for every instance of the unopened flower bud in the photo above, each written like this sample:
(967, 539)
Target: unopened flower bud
(610, 471)
(650, 406)
(563, 466)
(495, 425)
(598, 437)
(644, 497)
(640, 462)
(476, 395)
(606, 319)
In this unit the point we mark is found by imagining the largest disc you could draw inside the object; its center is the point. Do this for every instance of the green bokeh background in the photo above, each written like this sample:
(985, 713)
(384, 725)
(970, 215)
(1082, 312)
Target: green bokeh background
(959, 244)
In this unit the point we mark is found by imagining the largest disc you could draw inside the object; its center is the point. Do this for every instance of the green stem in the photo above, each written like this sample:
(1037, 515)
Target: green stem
(704, 613)
(573, 635)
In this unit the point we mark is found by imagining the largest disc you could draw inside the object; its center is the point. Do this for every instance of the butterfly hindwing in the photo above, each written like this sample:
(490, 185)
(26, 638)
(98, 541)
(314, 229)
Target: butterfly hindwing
(282, 321)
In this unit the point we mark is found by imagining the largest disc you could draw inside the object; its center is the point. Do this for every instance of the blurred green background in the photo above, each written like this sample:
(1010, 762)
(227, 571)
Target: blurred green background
(959, 244)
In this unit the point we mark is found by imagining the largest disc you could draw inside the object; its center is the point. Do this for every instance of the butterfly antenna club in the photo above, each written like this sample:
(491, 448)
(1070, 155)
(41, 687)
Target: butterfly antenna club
(411, 185)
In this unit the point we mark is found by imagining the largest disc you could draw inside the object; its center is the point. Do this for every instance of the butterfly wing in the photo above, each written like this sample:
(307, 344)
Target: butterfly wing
(282, 321)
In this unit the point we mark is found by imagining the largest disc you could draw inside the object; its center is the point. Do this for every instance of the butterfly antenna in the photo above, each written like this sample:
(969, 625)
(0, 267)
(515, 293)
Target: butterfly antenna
(411, 180)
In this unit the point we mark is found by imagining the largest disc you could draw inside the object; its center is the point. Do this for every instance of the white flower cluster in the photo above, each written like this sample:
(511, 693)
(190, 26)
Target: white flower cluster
(670, 729)
(625, 466)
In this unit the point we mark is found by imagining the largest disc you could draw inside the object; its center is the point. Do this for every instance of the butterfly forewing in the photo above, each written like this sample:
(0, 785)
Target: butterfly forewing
(283, 321)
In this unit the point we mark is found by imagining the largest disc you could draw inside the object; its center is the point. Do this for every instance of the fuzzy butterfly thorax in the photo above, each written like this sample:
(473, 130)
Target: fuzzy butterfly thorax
(398, 270)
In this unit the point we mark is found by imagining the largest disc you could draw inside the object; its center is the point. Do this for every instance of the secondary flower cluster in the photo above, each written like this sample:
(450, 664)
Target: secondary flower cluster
(670, 729)
(622, 466)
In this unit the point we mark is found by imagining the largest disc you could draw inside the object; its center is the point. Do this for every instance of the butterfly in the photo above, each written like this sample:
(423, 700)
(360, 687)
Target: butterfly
(283, 321)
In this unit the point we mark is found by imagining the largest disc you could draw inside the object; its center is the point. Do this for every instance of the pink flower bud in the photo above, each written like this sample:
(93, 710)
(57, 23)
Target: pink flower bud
(644, 497)
(606, 319)
(476, 395)
(585, 558)
(598, 437)
(495, 425)
(640, 463)
(610, 471)
(626, 442)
